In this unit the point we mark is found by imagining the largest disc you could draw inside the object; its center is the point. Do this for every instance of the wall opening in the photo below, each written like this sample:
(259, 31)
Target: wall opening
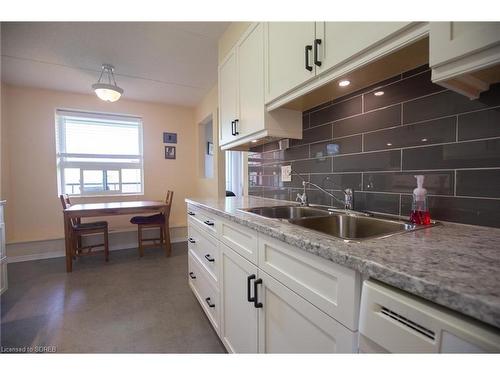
(207, 148)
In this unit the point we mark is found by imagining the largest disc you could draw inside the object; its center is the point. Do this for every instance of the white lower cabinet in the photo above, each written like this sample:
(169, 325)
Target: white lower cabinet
(3, 275)
(266, 296)
(260, 314)
(239, 316)
(3, 255)
(290, 324)
(207, 295)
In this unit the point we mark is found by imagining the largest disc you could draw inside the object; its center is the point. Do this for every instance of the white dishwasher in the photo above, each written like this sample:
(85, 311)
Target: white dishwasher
(393, 321)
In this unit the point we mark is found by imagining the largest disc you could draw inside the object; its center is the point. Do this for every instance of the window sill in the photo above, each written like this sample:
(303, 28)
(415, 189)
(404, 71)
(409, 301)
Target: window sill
(106, 195)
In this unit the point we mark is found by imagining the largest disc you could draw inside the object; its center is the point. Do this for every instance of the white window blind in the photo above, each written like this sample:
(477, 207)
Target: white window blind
(99, 154)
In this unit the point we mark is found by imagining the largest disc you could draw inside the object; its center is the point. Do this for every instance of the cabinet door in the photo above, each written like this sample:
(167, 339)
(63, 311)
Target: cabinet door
(239, 316)
(453, 40)
(286, 63)
(228, 94)
(341, 41)
(290, 324)
(250, 53)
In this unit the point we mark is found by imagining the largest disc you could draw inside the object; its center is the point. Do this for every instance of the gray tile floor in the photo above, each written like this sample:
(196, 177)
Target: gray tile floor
(130, 305)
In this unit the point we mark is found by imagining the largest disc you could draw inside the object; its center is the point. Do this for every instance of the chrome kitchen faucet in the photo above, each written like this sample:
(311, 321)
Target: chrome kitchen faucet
(348, 201)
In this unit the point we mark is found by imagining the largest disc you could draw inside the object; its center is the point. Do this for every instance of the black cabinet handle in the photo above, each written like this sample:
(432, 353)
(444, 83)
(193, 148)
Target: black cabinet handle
(256, 302)
(191, 275)
(191, 240)
(209, 303)
(317, 42)
(249, 280)
(190, 213)
(208, 222)
(235, 129)
(307, 50)
(207, 257)
(232, 128)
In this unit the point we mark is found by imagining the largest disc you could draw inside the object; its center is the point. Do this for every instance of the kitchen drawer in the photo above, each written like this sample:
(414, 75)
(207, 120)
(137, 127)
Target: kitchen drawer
(3, 275)
(204, 219)
(206, 249)
(241, 239)
(332, 288)
(207, 295)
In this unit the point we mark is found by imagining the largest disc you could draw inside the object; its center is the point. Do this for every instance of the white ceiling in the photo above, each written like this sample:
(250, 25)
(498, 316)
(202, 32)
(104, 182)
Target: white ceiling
(170, 62)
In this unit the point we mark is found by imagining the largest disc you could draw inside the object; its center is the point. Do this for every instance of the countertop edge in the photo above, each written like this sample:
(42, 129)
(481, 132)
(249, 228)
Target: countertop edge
(458, 302)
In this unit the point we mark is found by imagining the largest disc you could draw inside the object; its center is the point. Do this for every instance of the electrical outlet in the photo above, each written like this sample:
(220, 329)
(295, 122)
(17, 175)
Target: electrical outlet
(286, 173)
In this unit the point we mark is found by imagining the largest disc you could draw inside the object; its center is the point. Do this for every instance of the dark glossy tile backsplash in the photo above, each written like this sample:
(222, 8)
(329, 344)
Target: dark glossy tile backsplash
(376, 144)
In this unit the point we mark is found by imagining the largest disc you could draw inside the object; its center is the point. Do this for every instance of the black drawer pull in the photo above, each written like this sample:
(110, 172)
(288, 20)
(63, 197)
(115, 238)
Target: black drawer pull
(191, 213)
(235, 124)
(191, 275)
(232, 128)
(208, 222)
(249, 280)
(190, 239)
(256, 302)
(209, 303)
(317, 42)
(307, 50)
(207, 257)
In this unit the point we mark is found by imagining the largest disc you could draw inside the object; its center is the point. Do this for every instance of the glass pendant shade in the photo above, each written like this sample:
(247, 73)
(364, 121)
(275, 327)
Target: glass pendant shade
(109, 92)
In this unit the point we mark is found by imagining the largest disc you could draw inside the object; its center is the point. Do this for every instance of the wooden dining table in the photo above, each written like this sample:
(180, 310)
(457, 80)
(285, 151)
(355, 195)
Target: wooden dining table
(104, 209)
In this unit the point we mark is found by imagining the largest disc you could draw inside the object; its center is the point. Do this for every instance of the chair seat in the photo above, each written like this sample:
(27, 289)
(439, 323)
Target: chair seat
(153, 219)
(92, 225)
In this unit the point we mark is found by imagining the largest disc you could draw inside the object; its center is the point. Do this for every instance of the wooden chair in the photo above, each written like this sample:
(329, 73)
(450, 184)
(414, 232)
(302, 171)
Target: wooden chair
(78, 229)
(155, 221)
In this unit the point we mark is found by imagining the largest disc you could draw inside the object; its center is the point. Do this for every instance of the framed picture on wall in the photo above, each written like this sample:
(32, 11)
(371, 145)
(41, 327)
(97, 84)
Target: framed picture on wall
(169, 152)
(210, 148)
(169, 137)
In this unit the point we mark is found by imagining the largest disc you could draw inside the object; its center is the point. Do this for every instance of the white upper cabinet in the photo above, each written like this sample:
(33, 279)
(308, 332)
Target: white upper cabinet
(289, 56)
(337, 42)
(250, 53)
(301, 55)
(243, 116)
(453, 40)
(465, 56)
(228, 99)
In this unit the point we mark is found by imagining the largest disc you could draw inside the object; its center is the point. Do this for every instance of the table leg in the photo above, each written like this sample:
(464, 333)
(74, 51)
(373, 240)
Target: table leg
(167, 237)
(67, 241)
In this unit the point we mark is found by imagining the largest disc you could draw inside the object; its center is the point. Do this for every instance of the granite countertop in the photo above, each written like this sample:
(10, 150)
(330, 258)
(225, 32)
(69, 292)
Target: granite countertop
(454, 265)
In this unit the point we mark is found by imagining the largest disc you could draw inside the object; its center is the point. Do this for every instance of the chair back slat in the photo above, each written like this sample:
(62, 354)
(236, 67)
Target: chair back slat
(168, 200)
(66, 203)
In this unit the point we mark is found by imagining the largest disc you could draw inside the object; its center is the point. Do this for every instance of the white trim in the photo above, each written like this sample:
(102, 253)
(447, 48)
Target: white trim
(102, 119)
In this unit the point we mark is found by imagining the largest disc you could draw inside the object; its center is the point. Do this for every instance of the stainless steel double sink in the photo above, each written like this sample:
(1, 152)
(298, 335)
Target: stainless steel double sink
(347, 225)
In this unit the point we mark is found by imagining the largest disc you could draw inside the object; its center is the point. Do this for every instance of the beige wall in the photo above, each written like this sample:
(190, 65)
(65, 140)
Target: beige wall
(208, 109)
(29, 182)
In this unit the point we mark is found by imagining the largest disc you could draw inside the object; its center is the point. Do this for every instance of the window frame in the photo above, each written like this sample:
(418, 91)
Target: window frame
(62, 155)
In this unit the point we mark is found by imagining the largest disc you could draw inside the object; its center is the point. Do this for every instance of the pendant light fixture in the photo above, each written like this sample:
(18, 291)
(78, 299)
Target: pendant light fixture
(109, 91)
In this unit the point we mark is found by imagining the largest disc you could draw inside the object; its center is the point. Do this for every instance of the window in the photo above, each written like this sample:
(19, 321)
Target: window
(234, 172)
(99, 154)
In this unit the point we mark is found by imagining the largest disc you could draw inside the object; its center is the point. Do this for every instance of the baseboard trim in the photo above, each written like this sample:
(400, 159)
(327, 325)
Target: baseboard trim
(59, 254)
(46, 249)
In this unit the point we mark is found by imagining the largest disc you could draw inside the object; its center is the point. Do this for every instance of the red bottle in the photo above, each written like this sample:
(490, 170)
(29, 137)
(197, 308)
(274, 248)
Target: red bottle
(419, 211)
